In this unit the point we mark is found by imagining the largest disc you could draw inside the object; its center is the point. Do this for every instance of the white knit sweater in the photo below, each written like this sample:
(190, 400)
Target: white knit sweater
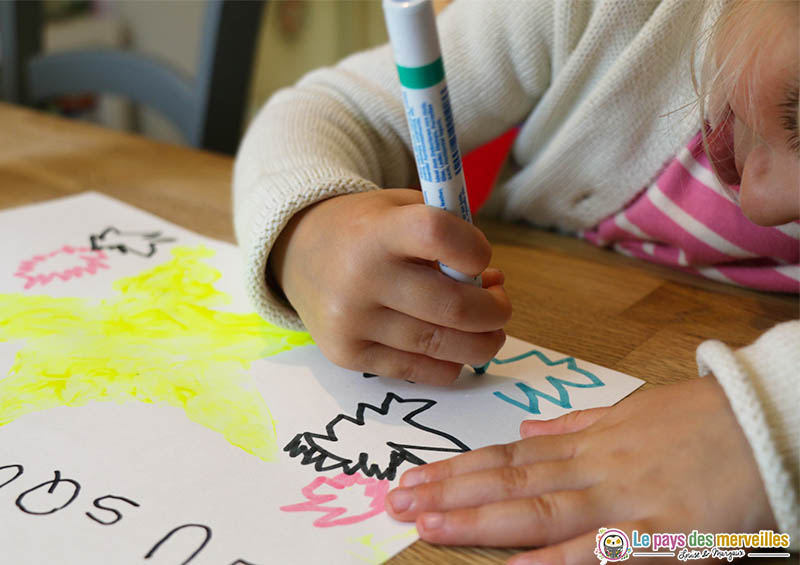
(602, 87)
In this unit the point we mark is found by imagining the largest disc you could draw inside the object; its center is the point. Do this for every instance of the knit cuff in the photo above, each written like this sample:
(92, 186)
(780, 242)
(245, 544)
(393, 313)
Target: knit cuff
(760, 382)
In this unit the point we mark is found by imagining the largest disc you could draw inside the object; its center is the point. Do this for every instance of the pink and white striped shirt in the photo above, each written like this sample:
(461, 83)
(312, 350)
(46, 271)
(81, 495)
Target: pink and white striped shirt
(688, 220)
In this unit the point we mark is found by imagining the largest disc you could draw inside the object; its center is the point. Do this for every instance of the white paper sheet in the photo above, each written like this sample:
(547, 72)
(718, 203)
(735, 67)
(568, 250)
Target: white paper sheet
(144, 420)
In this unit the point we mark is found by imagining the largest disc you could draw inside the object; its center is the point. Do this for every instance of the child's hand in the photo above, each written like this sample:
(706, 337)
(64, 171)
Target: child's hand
(669, 459)
(360, 271)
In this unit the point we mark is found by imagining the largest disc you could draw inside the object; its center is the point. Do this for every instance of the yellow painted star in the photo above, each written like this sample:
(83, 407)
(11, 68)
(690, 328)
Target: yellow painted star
(157, 340)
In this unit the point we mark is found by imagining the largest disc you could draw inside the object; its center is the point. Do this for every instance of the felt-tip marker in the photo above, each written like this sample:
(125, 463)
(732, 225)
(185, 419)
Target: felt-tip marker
(415, 42)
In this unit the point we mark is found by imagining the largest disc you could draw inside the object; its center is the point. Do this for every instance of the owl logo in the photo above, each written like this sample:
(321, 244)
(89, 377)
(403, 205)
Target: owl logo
(612, 545)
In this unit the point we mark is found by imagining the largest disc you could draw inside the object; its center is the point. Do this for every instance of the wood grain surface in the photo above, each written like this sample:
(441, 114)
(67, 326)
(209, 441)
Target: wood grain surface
(642, 319)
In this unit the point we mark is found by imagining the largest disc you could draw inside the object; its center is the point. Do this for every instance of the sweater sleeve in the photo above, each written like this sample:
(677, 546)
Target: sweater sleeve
(762, 382)
(342, 129)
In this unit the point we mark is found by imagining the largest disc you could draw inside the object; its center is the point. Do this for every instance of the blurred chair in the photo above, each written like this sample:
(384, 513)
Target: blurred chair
(209, 110)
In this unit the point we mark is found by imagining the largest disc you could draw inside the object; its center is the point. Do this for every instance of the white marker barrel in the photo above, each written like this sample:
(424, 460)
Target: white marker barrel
(415, 42)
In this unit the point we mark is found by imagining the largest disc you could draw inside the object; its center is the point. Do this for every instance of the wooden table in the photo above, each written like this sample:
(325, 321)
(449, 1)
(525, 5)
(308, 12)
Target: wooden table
(606, 308)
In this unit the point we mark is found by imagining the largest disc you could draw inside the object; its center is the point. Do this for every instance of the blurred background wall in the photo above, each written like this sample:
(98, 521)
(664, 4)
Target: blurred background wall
(295, 37)
(300, 35)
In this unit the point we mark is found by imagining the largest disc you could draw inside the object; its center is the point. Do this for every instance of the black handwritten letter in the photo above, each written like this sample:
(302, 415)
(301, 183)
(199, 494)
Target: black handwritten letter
(56, 482)
(20, 469)
(116, 512)
(174, 530)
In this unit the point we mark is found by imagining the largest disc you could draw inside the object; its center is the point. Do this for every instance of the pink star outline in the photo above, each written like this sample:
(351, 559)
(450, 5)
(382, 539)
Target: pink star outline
(91, 262)
(373, 488)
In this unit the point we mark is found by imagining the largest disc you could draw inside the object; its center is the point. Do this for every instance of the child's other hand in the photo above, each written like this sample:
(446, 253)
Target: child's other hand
(667, 460)
(360, 271)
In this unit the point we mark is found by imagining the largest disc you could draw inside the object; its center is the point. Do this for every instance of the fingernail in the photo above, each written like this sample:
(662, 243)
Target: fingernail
(432, 521)
(412, 478)
(401, 500)
(527, 428)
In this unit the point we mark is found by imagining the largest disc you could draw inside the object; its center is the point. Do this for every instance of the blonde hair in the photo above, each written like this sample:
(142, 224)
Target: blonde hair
(734, 44)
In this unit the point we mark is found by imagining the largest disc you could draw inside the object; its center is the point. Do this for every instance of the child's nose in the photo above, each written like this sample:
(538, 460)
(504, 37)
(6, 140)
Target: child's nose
(770, 186)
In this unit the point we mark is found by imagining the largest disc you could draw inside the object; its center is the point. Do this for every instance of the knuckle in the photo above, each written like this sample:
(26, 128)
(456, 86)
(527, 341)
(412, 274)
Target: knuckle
(441, 470)
(350, 268)
(431, 225)
(471, 519)
(342, 319)
(436, 471)
(336, 310)
(430, 495)
(501, 455)
(563, 423)
(430, 340)
(454, 309)
(514, 481)
(508, 454)
(544, 508)
(572, 419)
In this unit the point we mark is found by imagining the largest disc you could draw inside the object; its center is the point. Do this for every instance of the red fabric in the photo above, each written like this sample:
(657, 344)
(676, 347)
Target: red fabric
(482, 166)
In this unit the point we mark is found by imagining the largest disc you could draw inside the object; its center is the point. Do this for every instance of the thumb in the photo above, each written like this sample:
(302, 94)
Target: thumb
(568, 423)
